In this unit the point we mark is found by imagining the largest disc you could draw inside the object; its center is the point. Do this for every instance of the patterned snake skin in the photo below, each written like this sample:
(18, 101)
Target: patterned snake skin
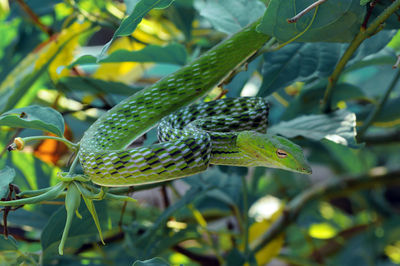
(188, 145)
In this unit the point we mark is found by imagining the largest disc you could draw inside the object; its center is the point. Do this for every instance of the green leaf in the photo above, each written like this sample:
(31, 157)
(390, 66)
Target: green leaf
(151, 262)
(338, 127)
(35, 117)
(129, 24)
(230, 16)
(8, 243)
(334, 21)
(172, 54)
(94, 85)
(6, 177)
(90, 205)
(354, 161)
(308, 101)
(387, 117)
(308, 61)
(364, 2)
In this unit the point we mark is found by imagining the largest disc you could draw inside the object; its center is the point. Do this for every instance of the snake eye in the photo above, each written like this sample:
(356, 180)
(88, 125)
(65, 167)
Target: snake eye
(281, 153)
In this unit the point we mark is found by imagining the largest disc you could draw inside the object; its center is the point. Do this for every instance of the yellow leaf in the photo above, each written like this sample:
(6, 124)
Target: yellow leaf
(157, 32)
(264, 218)
(62, 49)
(322, 231)
(126, 72)
(148, 31)
(393, 252)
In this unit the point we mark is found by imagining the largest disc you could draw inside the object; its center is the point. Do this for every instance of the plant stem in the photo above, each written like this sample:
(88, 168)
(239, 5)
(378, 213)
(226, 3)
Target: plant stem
(374, 113)
(65, 141)
(245, 217)
(305, 11)
(331, 188)
(74, 164)
(362, 35)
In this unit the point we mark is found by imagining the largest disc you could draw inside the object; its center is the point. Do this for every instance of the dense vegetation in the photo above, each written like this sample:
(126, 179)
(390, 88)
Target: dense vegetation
(331, 77)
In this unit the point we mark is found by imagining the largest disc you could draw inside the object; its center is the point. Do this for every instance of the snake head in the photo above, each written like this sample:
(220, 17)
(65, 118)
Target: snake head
(273, 151)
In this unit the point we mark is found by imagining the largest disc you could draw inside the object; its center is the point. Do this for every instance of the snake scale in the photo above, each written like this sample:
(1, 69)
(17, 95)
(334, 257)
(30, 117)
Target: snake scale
(226, 131)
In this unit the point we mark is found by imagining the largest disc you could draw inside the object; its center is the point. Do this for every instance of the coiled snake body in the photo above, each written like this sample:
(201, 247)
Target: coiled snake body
(227, 131)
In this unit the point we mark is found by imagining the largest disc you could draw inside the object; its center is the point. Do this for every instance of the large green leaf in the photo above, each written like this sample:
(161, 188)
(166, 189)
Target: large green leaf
(338, 127)
(334, 21)
(129, 24)
(172, 53)
(35, 117)
(230, 16)
(6, 177)
(308, 61)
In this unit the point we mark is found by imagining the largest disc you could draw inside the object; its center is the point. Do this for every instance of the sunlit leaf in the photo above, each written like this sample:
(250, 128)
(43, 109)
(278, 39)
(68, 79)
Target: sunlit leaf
(338, 127)
(322, 231)
(125, 72)
(263, 224)
(28, 71)
(35, 117)
(70, 38)
(129, 24)
(393, 252)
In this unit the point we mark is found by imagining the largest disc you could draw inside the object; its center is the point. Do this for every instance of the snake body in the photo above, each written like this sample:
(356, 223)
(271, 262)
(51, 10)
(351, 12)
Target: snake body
(191, 138)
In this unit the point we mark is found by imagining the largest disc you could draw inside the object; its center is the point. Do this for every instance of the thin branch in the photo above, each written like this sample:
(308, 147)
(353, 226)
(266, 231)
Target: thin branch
(164, 195)
(362, 35)
(328, 189)
(305, 11)
(372, 116)
(35, 18)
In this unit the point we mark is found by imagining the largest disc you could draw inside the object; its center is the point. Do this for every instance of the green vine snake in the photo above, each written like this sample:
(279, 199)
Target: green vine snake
(225, 132)
(221, 132)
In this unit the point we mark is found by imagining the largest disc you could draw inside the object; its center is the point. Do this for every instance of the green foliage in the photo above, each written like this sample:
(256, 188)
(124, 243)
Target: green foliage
(346, 213)
(6, 177)
(338, 127)
(336, 21)
(35, 117)
(173, 54)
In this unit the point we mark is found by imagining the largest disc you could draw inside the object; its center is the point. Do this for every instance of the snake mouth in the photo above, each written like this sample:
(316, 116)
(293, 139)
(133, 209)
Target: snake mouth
(303, 170)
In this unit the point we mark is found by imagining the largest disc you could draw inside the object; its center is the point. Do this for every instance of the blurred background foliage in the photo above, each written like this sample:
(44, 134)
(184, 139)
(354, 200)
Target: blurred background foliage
(346, 213)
